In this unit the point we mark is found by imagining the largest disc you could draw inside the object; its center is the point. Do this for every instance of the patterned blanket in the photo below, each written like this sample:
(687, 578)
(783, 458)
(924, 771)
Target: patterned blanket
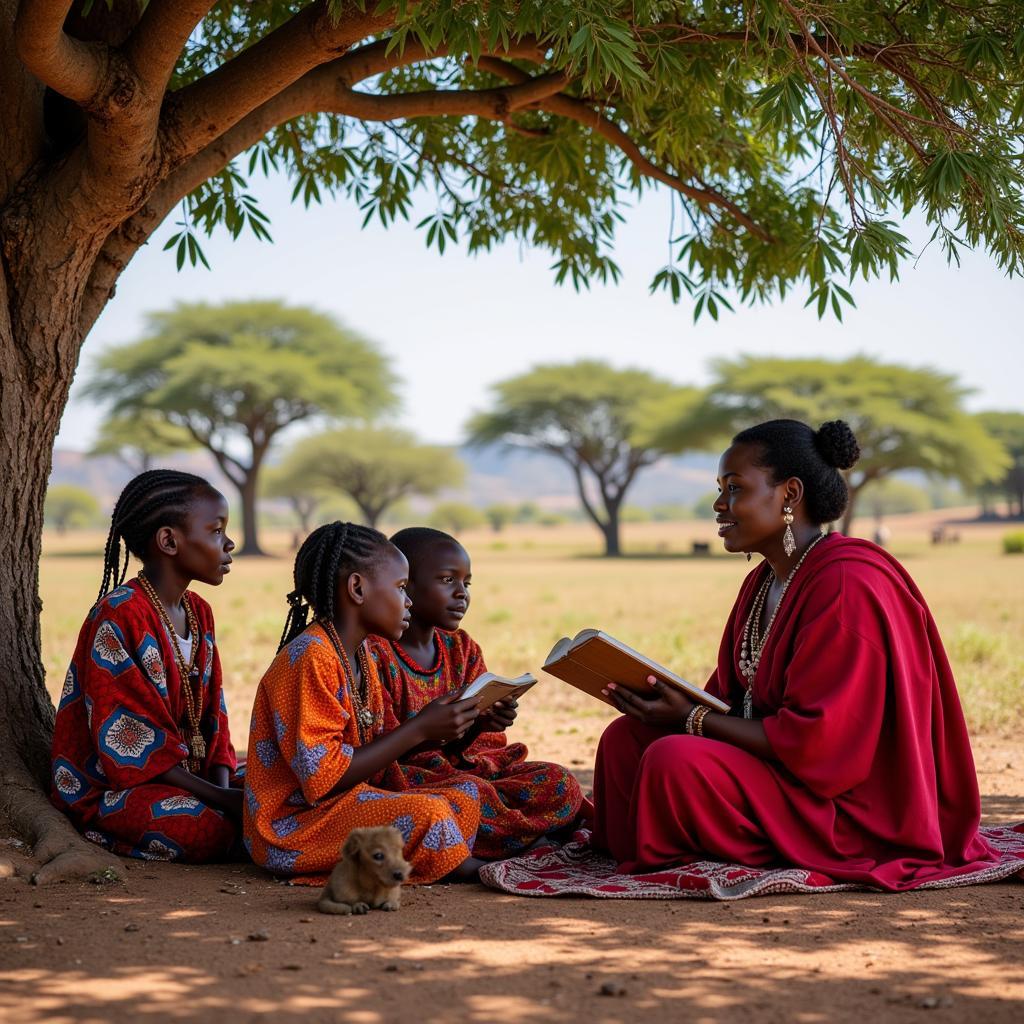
(577, 870)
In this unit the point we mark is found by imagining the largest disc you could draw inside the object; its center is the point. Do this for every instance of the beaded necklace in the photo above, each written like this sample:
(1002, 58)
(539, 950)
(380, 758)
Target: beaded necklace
(365, 718)
(188, 674)
(440, 668)
(753, 641)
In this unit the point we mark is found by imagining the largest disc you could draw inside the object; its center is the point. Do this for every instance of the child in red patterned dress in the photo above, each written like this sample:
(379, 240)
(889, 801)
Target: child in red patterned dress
(520, 801)
(142, 758)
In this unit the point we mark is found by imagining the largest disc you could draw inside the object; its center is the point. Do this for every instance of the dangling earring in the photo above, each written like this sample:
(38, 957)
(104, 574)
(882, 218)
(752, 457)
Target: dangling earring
(788, 540)
(749, 556)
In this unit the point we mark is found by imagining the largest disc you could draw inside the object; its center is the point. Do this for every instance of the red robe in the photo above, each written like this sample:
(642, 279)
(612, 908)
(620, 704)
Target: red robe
(874, 780)
(120, 724)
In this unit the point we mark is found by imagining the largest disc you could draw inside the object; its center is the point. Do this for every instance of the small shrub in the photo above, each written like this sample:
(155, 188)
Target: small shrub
(1013, 543)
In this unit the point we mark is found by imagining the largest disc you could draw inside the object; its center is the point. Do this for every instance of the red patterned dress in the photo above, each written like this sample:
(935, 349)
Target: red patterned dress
(120, 725)
(520, 800)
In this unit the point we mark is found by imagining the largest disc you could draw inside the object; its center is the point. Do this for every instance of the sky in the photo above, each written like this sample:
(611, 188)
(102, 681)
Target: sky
(454, 324)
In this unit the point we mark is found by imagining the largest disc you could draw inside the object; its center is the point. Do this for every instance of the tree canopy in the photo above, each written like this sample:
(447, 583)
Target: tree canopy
(375, 467)
(69, 505)
(137, 439)
(904, 417)
(1008, 429)
(590, 416)
(234, 376)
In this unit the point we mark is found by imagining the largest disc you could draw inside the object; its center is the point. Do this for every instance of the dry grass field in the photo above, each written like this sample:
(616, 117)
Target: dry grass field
(534, 584)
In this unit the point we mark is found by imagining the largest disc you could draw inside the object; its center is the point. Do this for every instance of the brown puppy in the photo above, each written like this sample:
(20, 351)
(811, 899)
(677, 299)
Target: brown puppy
(370, 873)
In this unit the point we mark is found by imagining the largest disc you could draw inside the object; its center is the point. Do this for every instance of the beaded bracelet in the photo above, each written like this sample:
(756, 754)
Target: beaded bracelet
(698, 722)
(690, 717)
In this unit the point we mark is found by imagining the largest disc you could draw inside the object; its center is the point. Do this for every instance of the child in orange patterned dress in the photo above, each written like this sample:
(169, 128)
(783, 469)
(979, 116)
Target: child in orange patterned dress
(324, 744)
(520, 801)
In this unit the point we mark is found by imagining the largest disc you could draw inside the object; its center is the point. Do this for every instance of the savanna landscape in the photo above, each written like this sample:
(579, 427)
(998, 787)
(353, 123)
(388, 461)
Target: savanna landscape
(166, 942)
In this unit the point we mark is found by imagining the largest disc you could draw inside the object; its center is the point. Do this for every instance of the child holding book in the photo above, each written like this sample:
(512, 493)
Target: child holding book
(142, 758)
(324, 744)
(520, 800)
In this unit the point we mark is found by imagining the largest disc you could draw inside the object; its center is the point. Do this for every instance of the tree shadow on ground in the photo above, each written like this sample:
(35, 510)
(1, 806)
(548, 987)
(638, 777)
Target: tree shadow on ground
(1000, 808)
(193, 943)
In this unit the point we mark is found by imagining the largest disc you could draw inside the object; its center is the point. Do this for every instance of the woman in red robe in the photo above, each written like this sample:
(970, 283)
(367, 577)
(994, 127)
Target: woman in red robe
(845, 751)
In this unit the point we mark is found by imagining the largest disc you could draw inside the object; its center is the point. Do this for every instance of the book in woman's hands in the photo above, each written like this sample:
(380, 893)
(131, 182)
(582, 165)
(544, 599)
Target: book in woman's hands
(491, 688)
(592, 659)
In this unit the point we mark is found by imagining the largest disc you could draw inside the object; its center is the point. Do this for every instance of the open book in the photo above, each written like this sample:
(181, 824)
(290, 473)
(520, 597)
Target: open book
(592, 659)
(491, 688)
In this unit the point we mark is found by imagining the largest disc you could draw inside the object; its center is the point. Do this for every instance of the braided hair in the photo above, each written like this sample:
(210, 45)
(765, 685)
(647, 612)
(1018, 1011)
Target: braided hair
(158, 497)
(791, 448)
(328, 551)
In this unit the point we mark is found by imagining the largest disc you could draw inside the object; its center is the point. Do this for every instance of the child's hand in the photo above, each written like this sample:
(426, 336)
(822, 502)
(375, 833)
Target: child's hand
(231, 803)
(446, 718)
(498, 717)
(666, 706)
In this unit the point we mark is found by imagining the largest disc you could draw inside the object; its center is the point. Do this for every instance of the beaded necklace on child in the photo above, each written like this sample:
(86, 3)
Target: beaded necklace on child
(188, 673)
(365, 718)
(753, 640)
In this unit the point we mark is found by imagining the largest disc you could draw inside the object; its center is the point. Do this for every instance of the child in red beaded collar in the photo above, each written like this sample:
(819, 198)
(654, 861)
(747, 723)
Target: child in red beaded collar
(520, 800)
(142, 757)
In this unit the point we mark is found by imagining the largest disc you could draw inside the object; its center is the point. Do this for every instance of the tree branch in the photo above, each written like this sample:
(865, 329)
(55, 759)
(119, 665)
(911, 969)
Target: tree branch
(69, 66)
(496, 104)
(325, 87)
(581, 489)
(201, 112)
(156, 44)
(577, 110)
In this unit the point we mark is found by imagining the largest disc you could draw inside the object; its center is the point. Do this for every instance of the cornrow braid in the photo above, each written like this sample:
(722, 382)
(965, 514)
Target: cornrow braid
(326, 553)
(158, 497)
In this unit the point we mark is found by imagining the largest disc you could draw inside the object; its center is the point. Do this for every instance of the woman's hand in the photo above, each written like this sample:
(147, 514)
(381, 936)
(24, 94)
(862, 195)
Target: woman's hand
(498, 717)
(445, 718)
(666, 706)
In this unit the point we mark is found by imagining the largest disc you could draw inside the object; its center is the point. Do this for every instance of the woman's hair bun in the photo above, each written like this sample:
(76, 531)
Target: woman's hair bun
(837, 444)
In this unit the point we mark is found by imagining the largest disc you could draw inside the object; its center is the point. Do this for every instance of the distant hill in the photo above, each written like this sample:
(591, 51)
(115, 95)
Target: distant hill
(499, 475)
(494, 476)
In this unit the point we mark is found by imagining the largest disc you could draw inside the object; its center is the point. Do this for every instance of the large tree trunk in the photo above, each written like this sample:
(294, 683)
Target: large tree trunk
(247, 492)
(39, 346)
(612, 546)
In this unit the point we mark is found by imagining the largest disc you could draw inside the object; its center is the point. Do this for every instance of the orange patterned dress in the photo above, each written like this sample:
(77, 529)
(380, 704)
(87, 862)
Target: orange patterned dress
(520, 800)
(303, 735)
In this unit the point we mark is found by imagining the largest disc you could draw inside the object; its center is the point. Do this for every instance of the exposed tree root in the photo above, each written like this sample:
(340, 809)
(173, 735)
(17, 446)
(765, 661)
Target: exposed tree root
(59, 851)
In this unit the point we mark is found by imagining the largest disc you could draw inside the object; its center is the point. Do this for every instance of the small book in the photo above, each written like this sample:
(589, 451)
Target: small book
(490, 688)
(592, 659)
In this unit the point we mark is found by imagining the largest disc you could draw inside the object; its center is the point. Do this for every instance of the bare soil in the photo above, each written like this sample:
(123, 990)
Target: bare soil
(181, 943)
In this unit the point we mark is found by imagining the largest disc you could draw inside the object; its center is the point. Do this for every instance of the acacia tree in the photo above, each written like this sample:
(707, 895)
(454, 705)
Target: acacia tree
(591, 417)
(232, 377)
(1008, 429)
(136, 440)
(69, 505)
(904, 417)
(786, 131)
(288, 481)
(376, 467)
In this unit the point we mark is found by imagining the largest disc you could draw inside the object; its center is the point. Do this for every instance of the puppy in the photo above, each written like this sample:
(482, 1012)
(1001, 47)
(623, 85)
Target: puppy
(370, 873)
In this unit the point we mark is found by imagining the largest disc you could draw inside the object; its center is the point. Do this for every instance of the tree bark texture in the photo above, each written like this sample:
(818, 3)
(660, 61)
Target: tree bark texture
(38, 351)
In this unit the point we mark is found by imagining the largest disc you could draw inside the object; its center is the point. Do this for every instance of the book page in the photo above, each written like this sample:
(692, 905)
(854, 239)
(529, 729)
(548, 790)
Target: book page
(485, 679)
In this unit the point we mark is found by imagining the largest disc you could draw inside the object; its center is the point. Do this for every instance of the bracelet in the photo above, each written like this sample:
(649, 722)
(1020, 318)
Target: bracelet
(690, 717)
(698, 723)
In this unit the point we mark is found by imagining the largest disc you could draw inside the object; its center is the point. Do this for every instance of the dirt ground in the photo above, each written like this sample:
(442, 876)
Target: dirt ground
(194, 943)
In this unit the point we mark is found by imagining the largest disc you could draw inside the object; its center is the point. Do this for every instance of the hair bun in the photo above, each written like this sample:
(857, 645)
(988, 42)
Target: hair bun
(837, 444)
